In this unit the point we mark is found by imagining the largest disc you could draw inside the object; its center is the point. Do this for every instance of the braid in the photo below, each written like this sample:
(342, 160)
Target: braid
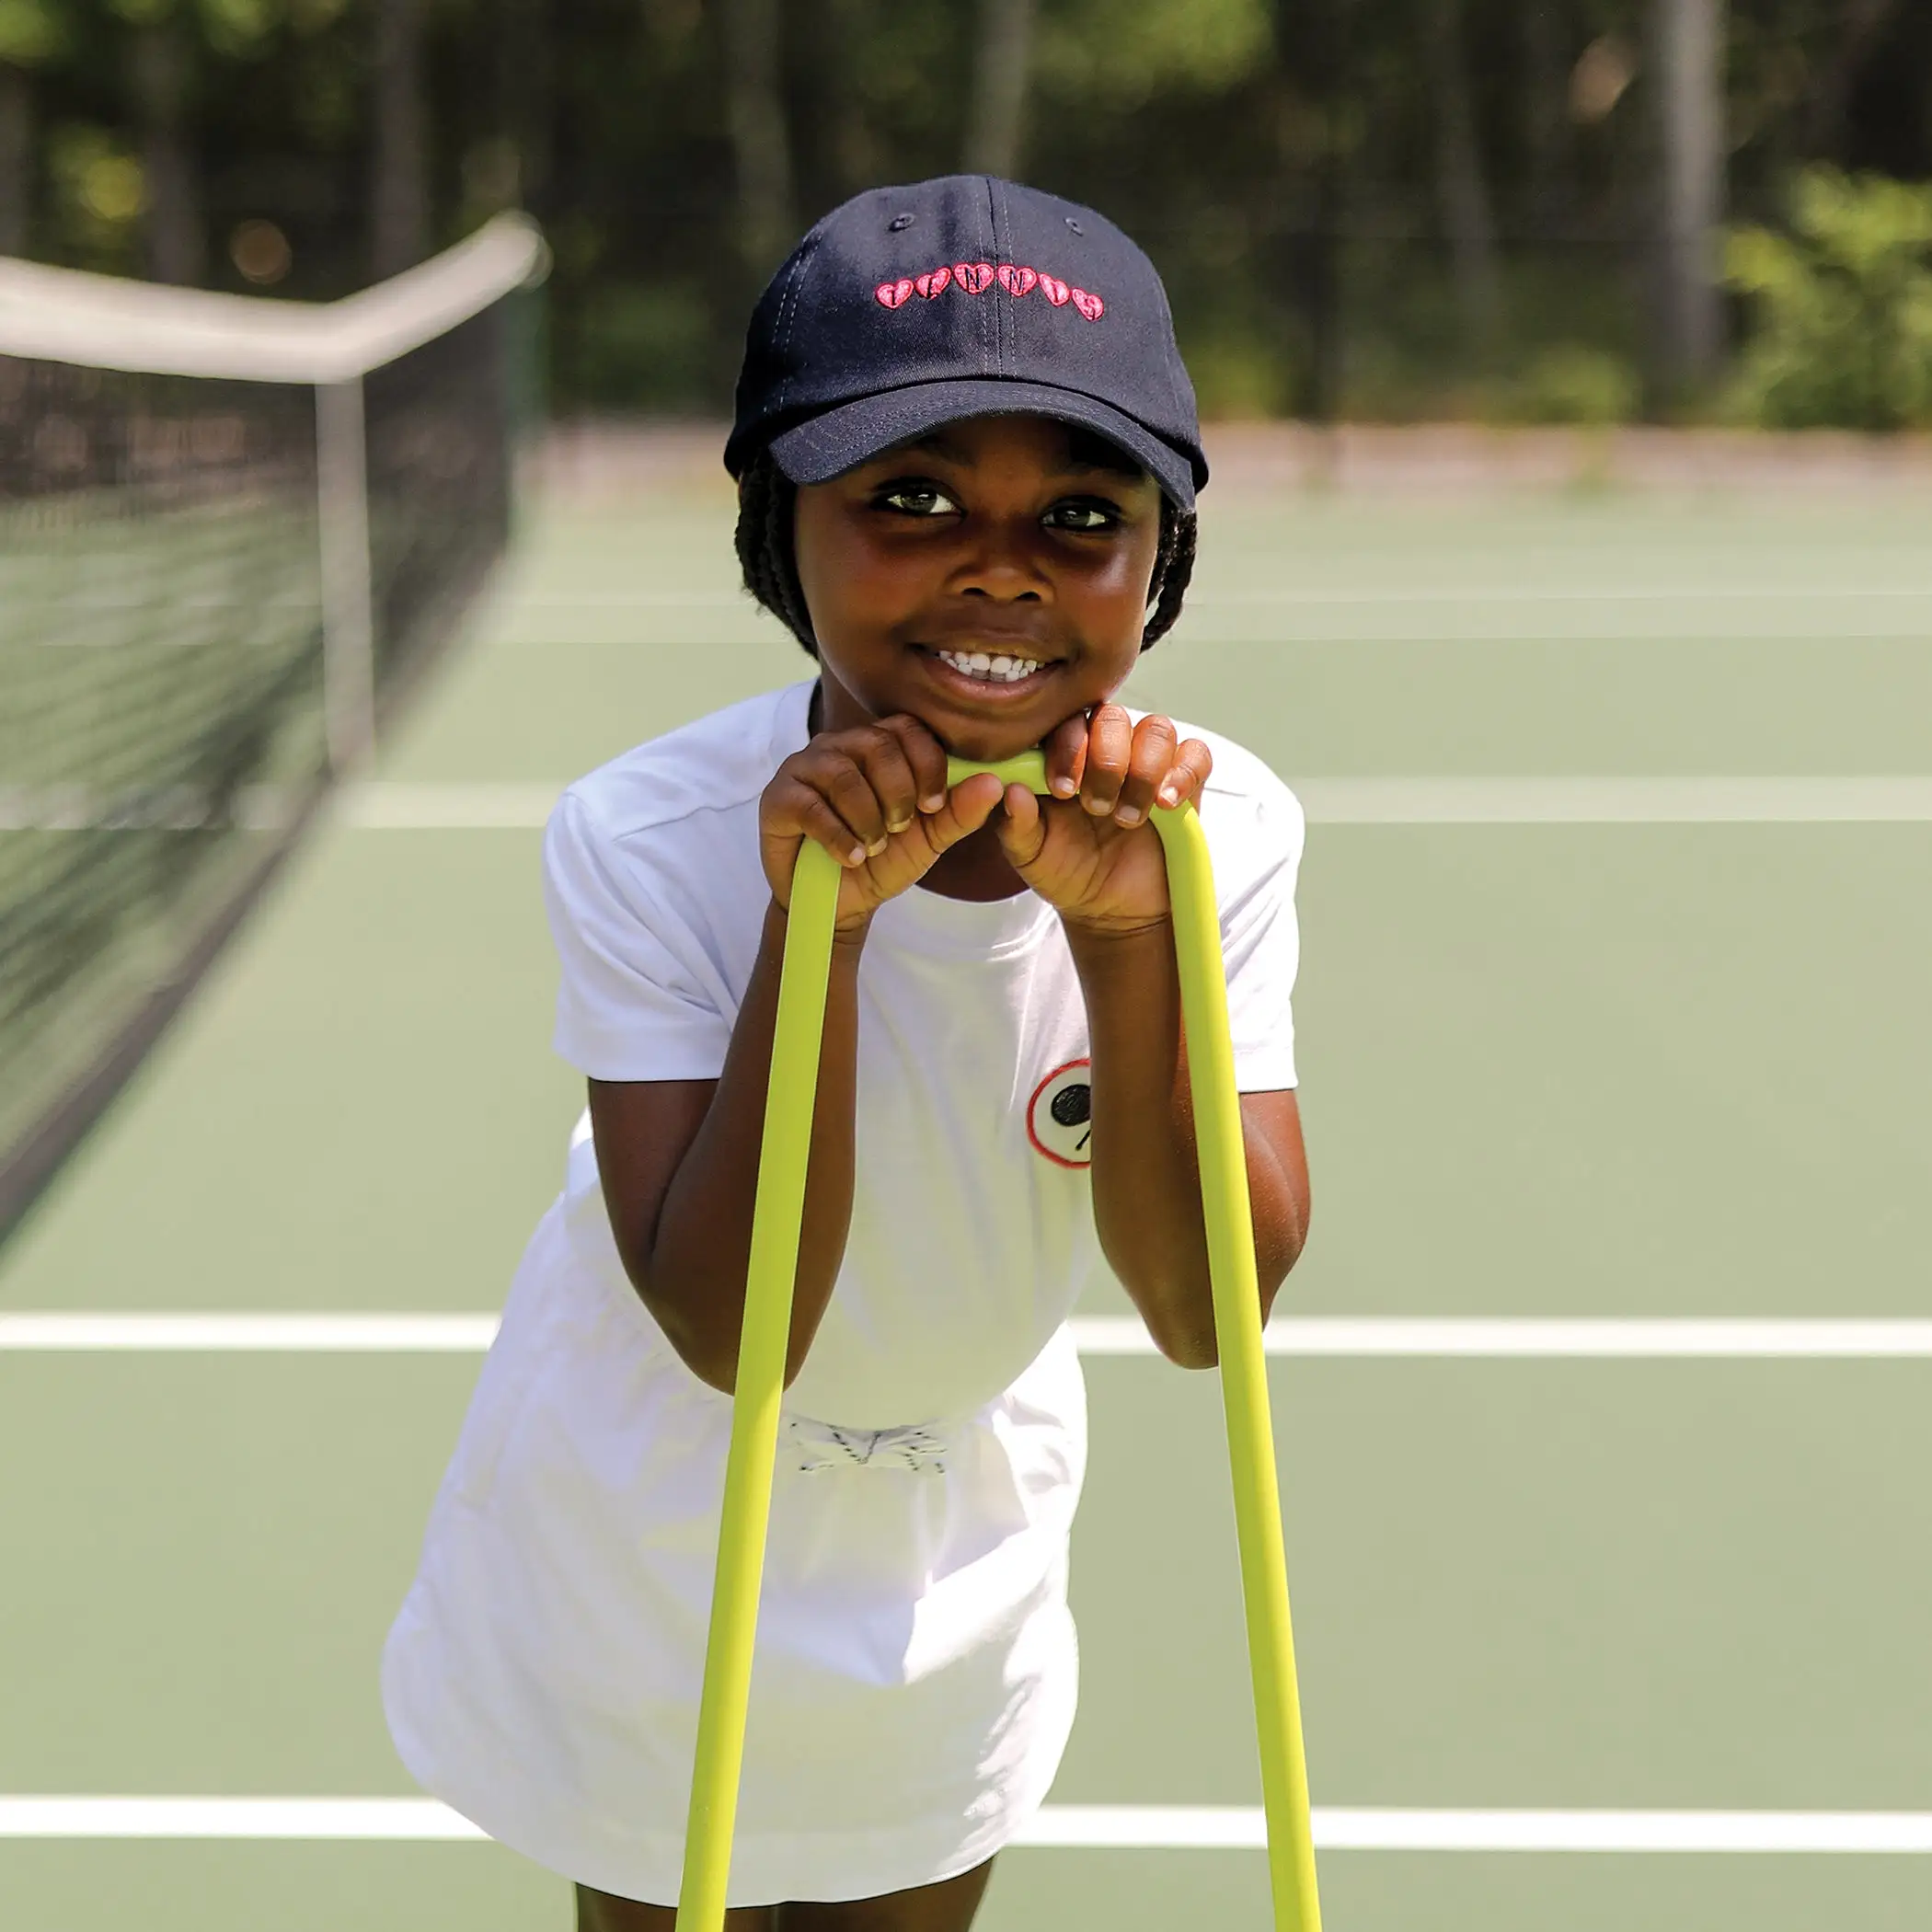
(767, 497)
(1173, 570)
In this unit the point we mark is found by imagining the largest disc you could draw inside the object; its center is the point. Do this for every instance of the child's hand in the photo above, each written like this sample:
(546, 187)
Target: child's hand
(1088, 850)
(875, 798)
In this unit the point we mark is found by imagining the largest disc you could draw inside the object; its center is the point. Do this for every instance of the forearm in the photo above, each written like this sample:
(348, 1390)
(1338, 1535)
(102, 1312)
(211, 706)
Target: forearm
(1146, 1171)
(693, 1264)
(1146, 1184)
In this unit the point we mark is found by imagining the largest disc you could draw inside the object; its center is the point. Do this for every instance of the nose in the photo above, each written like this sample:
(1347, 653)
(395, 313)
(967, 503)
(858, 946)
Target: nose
(1004, 564)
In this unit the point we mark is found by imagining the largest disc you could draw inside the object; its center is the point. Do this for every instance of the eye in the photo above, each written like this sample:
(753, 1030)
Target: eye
(1084, 513)
(914, 495)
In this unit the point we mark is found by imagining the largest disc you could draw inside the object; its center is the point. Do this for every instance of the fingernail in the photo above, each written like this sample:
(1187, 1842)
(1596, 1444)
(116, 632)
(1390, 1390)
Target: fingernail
(936, 803)
(1063, 788)
(855, 855)
(1169, 795)
(875, 848)
(1099, 807)
(898, 825)
(1129, 814)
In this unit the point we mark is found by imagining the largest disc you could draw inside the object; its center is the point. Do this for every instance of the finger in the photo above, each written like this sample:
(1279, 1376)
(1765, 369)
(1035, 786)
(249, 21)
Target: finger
(926, 756)
(882, 756)
(800, 809)
(1149, 759)
(840, 779)
(1109, 743)
(1065, 754)
(1188, 776)
(968, 807)
(1022, 831)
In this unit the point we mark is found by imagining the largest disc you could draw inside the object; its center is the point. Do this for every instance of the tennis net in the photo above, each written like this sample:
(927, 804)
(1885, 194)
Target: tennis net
(231, 532)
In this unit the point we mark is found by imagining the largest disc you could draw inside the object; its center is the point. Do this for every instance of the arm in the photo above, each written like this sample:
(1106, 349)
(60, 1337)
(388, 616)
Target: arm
(1091, 852)
(679, 1164)
(679, 1159)
(1146, 1184)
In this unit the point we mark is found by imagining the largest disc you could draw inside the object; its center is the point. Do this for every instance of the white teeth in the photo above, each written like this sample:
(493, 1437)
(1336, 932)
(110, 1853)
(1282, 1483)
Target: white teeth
(990, 670)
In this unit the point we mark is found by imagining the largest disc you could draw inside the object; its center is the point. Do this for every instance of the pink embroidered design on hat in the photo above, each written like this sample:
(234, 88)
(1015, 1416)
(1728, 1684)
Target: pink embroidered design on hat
(975, 278)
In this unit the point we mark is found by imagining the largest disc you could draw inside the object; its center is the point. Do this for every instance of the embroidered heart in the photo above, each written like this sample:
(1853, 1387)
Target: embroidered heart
(891, 293)
(1091, 307)
(1054, 290)
(934, 283)
(1015, 280)
(974, 277)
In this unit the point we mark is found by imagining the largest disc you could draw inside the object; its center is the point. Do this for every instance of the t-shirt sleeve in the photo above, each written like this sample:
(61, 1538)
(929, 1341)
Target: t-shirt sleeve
(639, 999)
(1260, 939)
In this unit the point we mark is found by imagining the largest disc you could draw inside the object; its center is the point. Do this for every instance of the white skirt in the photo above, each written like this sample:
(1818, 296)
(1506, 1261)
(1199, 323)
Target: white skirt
(916, 1670)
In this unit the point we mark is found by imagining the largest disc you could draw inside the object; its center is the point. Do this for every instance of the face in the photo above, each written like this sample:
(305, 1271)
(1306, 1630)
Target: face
(989, 579)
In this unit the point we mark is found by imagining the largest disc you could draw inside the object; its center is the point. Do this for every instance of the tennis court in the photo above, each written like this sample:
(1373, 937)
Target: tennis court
(1616, 911)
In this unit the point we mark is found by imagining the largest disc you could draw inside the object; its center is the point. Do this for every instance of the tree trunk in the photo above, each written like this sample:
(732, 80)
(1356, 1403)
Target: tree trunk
(1312, 42)
(761, 142)
(996, 115)
(174, 242)
(1549, 54)
(399, 212)
(15, 160)
(1467, 216)
(1824, 119)
(1688, 37)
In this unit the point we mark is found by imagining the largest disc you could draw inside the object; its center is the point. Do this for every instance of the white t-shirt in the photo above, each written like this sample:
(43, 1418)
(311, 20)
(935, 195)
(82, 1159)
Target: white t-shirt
(972, 1232)
(915, 1671)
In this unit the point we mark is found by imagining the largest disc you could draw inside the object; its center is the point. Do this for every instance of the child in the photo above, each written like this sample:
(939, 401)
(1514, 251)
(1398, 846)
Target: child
(967, 458)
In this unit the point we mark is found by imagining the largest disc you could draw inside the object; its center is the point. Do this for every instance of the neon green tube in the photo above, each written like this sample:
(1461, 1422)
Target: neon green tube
(784, 1152)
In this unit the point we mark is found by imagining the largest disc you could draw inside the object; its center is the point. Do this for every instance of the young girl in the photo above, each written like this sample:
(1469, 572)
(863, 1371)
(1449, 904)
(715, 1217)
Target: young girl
(967, 458)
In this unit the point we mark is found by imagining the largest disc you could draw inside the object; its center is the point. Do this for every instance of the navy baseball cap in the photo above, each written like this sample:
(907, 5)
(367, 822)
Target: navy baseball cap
(905, 308)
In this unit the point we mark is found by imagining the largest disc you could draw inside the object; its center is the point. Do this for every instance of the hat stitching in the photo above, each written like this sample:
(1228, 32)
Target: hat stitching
(788, 307)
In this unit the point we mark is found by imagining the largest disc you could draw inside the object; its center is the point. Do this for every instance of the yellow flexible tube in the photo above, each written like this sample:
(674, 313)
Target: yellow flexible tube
(784, 1151)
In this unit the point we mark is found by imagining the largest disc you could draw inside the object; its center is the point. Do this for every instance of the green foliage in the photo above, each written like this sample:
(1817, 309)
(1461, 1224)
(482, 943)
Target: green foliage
(31, 31)
(642, 346)
(1574, 383)
(1112, 55)
(1841, 307)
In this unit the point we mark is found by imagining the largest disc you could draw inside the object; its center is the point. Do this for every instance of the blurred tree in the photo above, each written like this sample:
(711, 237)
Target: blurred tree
(1001, 63)
(1468, 218)
(399, 200)
(32, 33)
(159, 52)
(761, 139)
(1687, 39)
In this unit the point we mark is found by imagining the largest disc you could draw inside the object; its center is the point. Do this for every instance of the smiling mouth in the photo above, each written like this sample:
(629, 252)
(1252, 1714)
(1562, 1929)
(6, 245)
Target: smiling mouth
(990, 667)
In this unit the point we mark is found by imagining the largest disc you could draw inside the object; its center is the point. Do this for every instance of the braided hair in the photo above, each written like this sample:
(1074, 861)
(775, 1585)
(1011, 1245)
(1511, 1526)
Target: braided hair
(766, 498)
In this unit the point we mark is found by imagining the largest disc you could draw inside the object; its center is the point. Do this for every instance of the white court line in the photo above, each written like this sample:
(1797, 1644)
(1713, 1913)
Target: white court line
(1494, 1339)
(1060, 1827)
(395, 806)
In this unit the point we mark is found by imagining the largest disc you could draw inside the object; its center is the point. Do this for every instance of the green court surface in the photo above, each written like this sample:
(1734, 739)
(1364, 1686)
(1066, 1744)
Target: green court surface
(1553, 1068)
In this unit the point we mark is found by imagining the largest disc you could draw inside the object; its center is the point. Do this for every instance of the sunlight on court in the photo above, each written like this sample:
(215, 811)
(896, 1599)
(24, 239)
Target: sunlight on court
(1601, 1396)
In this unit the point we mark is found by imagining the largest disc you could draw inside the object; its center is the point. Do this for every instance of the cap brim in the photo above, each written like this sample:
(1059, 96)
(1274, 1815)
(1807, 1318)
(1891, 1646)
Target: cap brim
(843, 437)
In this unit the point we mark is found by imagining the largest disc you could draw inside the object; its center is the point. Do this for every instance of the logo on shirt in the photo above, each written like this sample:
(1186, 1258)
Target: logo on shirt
(1059, 1115)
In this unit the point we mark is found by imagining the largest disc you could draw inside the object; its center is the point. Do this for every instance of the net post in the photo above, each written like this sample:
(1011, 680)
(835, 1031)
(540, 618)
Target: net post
(348, 602)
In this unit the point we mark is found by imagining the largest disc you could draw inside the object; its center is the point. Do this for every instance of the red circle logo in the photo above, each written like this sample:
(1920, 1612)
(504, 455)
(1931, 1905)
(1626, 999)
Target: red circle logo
(1059, 1115)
